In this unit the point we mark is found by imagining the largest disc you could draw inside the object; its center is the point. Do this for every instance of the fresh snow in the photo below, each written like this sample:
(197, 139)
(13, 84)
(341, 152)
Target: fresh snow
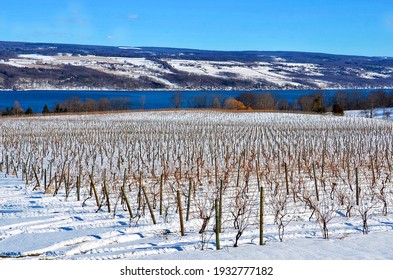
(35, 225)
(377, 113)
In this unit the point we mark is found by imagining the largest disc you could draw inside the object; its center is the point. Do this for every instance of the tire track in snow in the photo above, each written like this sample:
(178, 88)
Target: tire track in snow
(56, 228)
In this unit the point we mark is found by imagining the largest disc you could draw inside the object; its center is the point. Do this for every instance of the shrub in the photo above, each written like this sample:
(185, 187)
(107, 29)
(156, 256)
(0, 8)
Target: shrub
(233, 104)
(338, 109)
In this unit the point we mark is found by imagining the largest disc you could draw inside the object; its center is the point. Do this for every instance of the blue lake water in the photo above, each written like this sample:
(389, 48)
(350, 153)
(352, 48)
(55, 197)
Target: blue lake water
(140, 99)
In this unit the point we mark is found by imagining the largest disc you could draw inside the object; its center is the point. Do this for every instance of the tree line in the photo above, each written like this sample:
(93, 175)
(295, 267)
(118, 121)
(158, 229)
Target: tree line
(317, 102)
(74, 105)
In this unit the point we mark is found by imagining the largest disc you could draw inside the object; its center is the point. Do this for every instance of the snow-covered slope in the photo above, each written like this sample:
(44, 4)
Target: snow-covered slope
(64, 66)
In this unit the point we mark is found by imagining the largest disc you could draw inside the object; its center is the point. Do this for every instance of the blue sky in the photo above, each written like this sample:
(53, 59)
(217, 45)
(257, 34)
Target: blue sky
(361, 27)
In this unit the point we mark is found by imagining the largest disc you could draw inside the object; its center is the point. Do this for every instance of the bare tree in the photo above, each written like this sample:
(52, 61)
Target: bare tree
(89, 105)
(216, 103)
(142, 101)
(17, 109)
(177, 99)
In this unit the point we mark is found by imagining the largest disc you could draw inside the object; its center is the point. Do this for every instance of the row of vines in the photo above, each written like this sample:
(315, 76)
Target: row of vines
(223, 170)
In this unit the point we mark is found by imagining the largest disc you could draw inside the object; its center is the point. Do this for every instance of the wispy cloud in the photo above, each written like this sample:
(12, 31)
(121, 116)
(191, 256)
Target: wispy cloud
(132, 16)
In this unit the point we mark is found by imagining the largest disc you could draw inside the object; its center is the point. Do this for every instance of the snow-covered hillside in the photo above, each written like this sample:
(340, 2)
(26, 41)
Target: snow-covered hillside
(56, 66)
(276, 74)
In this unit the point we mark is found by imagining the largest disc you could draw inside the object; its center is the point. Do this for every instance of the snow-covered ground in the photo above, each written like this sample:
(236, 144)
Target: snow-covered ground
(377, 113)
(36, 224)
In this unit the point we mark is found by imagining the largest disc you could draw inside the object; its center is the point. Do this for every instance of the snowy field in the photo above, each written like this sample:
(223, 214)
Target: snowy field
(99, 187)
(35, 225)
(377, 113)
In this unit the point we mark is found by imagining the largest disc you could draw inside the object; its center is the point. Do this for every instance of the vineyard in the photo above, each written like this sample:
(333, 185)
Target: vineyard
(139, 184)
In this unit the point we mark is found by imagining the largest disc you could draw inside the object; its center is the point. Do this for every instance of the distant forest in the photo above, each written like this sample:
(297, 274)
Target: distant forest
(317, 102)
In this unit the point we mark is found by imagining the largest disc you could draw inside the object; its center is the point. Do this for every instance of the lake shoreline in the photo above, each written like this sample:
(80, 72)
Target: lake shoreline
(152, 99)
(195, 89)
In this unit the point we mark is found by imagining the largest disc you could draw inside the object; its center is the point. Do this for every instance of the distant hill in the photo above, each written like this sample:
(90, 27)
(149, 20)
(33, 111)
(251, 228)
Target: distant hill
(64, 66)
